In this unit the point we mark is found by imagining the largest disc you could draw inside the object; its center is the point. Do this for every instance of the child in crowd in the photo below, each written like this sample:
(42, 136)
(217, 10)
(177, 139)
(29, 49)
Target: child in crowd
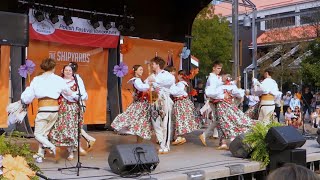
(296, 121)
(288, 116)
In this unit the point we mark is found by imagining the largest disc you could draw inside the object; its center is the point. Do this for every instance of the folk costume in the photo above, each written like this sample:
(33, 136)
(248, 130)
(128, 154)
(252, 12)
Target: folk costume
(183, 112)
(230, 119)
(162, 109)
(213, 82)
(136, 118)
(267, 90)
(65, 130)
(47, 89)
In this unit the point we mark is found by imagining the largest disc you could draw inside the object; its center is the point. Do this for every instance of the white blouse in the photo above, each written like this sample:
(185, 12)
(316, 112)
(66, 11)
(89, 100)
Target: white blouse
(253, 100)
(214, 81)
(267, 86)
(74, 98)
(46, 85)
(139, 85)
(179, 89)
(218, 93)
(163, 79)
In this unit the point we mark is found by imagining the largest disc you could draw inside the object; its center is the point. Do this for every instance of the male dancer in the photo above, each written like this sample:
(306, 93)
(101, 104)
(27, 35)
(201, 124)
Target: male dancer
(267, 90)
(46, 87)
(162, 81)
(213, 82)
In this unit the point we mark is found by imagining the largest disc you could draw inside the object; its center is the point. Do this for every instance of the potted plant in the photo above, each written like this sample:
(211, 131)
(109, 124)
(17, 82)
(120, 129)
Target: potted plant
(256, 140)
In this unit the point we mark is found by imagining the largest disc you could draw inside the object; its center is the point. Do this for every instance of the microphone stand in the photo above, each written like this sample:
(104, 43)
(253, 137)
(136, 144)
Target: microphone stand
(80, 105)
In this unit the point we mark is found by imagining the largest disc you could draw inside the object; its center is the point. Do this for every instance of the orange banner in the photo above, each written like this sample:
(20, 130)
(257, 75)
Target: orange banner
(4, 84)
(93, 67)
(137, 51)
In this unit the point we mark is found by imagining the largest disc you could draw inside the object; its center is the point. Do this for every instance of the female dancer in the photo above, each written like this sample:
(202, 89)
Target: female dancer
(65, 130)
(136, 119)
(89, 139)
(231, 120)
(183, 109)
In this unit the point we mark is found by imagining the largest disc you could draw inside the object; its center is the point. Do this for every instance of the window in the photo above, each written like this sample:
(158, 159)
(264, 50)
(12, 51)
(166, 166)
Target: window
(313, 17)
(279, 22)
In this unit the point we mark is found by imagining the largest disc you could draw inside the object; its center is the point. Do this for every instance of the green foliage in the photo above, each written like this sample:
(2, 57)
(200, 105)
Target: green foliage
(256, 139)
(212, 40)
(310, 67)
(15, 144)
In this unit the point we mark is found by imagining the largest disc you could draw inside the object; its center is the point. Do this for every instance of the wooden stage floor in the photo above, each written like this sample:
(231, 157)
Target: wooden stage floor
(189, 157)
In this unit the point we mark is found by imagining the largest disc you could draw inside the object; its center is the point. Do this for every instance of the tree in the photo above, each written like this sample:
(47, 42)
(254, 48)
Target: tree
(310, 67)
(212, 40)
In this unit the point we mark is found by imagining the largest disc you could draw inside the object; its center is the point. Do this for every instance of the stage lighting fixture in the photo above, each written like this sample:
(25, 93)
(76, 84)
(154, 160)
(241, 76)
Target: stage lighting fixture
(54, 18)
(94, 21)
(39, 16)
(131, 27)
(107, 22)
(67, 19)
(120, 27)
(120, 23)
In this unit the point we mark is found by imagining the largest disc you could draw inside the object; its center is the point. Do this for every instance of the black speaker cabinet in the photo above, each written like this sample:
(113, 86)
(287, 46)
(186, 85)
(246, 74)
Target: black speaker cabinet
(238, 148)
(284, 137)
(14, 29)
(128, 159)
(296, 156)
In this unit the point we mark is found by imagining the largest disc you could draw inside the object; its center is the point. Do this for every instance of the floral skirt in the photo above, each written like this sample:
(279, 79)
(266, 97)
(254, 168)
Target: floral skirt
(253, 112)
(231, 120)
(184, 115)
(65, 130)
(136, 119)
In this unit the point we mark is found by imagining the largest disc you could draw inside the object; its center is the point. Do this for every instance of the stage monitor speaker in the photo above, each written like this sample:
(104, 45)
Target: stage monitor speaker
(128, 159)
(238, 148)
(14, 29)
(296, 156)
(284, 137)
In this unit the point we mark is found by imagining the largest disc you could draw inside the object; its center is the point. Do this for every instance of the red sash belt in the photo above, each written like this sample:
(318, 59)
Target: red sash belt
(179, 98)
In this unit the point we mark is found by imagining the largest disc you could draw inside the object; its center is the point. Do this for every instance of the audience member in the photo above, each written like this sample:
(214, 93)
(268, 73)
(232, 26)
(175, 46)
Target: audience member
(292, 172)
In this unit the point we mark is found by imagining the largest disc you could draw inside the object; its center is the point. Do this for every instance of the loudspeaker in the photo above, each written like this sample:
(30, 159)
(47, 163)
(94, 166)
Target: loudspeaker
(238, 148)
(284, 137)
(14, 29)
(296, 156)
(129, 159)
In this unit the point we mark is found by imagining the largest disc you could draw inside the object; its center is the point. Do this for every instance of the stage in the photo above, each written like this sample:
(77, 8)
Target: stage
(191, 158)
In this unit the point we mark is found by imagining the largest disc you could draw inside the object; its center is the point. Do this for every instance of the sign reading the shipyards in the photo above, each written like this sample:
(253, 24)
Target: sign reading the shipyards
(93, 68)
(80, 32)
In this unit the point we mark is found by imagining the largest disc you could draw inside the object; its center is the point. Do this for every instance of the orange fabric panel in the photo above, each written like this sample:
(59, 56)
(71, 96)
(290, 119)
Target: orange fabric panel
(140, 50)
(4, 84)
(93, 67)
